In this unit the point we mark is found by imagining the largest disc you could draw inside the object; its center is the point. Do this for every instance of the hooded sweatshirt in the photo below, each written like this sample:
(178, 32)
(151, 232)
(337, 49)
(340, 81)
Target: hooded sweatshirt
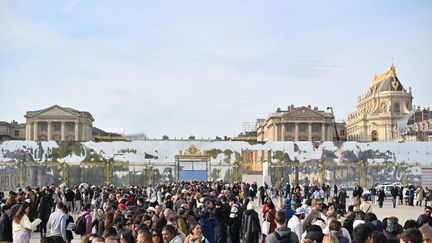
(285, 235)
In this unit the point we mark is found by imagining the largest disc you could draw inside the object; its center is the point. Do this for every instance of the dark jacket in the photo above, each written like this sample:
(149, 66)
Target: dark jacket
(14, 209)
(251, 227)
(220, 230)
(207, 227)
(69, 234)
(282, 235)
(5, 228)
(44, 208)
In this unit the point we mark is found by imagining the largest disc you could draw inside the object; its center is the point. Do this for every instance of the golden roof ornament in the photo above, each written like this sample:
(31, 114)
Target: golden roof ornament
(389, 73)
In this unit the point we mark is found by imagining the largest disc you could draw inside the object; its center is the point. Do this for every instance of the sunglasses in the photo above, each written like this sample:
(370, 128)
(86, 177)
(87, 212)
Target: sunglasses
(428, 211)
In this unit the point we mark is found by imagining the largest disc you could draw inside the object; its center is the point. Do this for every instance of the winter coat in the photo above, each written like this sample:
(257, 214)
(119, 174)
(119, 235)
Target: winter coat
(5, 228)
(207, 228)
(88, 219)
(44, 208)
(251, 227)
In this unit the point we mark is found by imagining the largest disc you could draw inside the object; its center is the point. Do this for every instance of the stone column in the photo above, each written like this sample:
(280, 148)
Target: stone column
(282, 132)
(323, 136)
(49, 131)
(330, 131)
(310, 132)
(62, 131)
(274, 132)
(35, 131)
(296, 132)
(76, 131)
(27, 131)
(83, 132)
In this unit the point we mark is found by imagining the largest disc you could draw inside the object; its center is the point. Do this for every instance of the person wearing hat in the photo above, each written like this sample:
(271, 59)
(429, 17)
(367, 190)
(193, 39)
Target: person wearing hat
(282, 233)
(5, 224)
(289, 212)
(296, 222)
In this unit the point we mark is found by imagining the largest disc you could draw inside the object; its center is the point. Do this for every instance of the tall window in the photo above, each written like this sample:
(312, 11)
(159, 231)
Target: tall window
(302, 127)
(56, 127)
(316, 127)
(16, 133)
(289, 127)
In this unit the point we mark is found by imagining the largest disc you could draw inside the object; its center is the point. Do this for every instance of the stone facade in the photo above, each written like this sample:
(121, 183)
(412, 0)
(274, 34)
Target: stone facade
(297, 124)
(59, 124)
(12, 131)
(379, 109)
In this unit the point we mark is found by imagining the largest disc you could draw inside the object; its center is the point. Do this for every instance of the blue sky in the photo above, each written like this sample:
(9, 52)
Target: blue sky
(205, 67)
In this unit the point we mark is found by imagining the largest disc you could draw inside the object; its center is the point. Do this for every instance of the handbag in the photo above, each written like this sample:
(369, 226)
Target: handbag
(265, 228)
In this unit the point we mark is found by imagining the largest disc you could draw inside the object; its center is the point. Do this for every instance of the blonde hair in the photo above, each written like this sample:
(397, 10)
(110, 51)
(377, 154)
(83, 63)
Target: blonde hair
(330, 238)
(426, 231)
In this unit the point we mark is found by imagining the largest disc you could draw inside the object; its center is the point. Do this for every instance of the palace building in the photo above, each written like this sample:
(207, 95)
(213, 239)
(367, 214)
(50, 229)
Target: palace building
(299, 124)
(379, 109)
(59, 124)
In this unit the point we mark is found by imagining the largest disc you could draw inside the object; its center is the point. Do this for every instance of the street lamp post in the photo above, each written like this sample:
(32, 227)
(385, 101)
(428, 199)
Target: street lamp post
(334, 122)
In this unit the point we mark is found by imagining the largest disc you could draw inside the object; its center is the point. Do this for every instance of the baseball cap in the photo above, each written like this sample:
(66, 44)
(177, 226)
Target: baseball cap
(300, 211)
(151, 209)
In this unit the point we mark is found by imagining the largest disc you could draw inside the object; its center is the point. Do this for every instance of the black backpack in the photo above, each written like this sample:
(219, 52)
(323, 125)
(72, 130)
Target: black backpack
(80, 225)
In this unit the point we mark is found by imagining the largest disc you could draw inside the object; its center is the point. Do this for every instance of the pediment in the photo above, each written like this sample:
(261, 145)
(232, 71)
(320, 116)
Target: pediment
(56, 111)
(304, 112)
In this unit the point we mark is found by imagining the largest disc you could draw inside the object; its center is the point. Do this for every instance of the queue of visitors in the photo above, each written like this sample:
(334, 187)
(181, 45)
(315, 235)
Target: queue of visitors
(205, 212)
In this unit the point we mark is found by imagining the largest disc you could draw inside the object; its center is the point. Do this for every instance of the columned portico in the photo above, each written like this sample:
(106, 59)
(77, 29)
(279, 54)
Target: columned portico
(296, 124)
(60, 124)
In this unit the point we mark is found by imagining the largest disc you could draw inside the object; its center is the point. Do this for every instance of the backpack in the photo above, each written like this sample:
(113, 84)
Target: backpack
(81, 225)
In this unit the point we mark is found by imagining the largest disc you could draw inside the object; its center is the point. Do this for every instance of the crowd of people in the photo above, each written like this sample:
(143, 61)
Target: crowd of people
(204, 212)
